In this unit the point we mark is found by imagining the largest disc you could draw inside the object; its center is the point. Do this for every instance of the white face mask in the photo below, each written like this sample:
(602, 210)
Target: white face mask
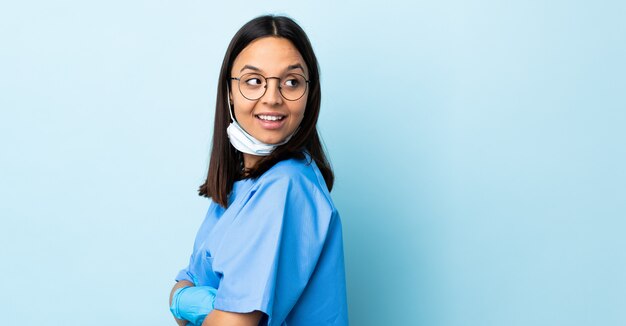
(244, 142)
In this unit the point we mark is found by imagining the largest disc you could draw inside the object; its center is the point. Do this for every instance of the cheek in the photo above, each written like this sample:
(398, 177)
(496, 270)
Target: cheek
(299, 115)
(242, 106)
(300, 109)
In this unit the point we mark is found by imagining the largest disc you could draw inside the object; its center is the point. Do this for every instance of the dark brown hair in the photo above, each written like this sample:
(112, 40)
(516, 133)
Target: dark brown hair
(225, 166)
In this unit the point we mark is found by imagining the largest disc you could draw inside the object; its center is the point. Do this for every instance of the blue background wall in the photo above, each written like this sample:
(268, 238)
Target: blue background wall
(479, 148)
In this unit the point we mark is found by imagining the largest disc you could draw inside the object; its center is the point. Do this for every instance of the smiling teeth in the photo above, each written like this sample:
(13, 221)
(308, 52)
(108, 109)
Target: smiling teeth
(270, 117)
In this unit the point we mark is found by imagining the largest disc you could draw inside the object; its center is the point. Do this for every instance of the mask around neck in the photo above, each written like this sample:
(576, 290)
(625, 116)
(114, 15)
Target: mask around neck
(245, 143)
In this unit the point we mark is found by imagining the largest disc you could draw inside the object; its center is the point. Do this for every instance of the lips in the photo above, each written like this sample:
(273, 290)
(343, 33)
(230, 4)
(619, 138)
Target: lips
(271, 121)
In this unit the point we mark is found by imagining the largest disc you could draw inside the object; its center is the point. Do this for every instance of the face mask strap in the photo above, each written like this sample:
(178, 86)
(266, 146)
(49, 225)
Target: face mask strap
(230, 110)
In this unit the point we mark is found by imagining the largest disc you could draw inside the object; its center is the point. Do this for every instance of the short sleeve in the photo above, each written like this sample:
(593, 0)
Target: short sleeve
(189, 273)
(272, 247)
(185, 275)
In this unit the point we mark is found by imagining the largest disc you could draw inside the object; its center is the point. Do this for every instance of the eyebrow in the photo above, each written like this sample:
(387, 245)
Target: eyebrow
(296, 66)
(290, 67)
(249, 67)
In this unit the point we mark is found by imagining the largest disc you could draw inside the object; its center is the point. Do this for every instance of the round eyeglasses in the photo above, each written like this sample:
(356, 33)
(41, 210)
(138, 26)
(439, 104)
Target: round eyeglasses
(253, 86)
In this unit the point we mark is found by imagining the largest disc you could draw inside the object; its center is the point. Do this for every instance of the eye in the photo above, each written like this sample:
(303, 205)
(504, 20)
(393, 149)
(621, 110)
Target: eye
(292, 82)
(253, 81)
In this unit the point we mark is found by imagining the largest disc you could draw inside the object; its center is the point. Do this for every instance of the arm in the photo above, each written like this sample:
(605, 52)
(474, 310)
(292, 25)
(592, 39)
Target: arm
(227, 318)
(177, 286)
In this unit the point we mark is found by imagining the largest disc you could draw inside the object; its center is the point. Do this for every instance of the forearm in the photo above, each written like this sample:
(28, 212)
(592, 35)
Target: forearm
(178, 285)
(221, 318)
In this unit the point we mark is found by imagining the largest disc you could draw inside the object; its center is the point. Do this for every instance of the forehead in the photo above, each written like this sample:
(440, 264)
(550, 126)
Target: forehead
(272, 55)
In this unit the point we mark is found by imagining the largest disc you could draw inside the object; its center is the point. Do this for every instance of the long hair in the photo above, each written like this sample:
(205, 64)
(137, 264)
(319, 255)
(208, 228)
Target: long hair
(226, 162)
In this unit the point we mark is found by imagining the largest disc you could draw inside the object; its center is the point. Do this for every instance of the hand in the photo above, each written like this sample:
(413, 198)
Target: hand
(193, 303)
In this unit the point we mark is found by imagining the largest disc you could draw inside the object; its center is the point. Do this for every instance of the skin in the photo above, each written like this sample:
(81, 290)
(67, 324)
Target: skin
(178, 285)
(272, 56)
(219, 317)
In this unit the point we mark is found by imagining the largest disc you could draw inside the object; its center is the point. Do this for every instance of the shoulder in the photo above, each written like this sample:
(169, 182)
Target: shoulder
(299, 176)
(292, 169)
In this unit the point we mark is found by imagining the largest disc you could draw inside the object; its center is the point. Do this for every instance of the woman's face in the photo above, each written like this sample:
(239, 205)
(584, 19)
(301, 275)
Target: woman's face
(271, 118)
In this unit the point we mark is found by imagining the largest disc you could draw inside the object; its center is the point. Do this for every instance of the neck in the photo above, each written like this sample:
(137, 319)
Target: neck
(250, 160)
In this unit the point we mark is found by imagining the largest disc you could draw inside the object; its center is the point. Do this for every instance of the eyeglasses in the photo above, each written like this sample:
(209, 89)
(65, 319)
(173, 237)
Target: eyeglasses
(253, 86)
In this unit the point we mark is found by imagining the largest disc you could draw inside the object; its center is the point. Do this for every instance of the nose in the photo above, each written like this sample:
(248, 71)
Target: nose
(272, 94)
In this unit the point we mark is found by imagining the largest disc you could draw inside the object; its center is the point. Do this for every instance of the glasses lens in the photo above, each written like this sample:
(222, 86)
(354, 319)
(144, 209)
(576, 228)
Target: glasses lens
(252, 86)
(293, 86)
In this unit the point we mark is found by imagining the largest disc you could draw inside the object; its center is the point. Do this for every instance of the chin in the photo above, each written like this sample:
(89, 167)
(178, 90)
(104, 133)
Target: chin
(272, 139)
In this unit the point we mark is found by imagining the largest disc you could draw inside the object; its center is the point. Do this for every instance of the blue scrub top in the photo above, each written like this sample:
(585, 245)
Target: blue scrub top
(277, 248)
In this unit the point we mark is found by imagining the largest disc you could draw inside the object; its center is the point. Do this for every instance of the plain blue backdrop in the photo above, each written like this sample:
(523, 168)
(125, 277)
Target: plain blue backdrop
(479, 148)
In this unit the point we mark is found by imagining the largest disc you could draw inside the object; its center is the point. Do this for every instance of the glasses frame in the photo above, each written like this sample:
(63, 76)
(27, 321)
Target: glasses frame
(280, 89)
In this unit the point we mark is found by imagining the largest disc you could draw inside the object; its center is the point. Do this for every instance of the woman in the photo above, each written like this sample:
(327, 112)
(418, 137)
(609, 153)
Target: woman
(270, 250)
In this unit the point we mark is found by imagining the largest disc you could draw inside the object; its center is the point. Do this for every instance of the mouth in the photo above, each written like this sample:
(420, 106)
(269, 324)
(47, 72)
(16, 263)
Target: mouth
(271, 121)
(267, 117)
